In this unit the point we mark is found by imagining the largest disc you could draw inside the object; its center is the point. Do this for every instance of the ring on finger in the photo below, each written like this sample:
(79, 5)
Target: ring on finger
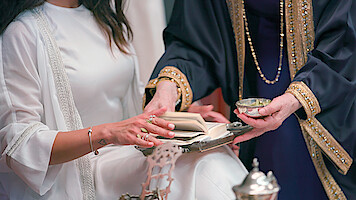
(145, 137)
(151, 119)
(138, 136)
(143, 130)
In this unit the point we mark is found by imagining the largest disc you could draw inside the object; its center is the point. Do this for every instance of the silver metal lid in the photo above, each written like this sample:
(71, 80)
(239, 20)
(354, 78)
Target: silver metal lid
(257, 183)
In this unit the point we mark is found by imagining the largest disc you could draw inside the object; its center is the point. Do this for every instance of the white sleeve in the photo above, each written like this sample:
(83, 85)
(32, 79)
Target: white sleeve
(25, 141)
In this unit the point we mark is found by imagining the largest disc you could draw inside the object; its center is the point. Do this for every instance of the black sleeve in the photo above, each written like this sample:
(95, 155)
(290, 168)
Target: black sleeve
(330, 72)
(199, 42)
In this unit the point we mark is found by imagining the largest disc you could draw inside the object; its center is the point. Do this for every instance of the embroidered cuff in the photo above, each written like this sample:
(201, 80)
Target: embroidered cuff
(332, 189)
(306, 97)
(328, 144)
(182, 82)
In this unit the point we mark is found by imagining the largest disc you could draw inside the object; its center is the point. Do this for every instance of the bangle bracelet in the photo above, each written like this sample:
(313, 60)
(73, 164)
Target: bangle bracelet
(90, 131)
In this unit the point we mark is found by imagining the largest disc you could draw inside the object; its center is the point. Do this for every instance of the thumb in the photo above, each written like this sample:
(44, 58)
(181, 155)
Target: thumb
(270, 108)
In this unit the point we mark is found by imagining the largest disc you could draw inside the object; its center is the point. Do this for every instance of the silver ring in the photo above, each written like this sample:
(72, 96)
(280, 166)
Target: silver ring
(151, 119)
(145, 137)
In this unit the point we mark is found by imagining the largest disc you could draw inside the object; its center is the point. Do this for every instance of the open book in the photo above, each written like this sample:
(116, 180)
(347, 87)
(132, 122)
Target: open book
(191, 127)
(192, 133)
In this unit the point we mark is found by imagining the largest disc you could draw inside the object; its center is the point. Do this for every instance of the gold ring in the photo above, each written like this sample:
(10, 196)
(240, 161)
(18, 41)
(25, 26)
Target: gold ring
(143, 130)
(138, 136)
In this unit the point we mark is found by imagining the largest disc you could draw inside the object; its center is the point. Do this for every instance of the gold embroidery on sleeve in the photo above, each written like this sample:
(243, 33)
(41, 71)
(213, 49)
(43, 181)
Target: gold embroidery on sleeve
(235, 10)
(306, 97)
(331, 187)
(328, 144)
(300, 37)
(179, 78)
(149, 92)
(299, 33)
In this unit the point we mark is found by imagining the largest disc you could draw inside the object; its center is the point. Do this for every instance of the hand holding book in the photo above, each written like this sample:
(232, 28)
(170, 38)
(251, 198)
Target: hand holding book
(194, 134)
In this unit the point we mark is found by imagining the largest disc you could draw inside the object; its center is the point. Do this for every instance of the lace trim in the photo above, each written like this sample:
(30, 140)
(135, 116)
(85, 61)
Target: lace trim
(30, 129)
(66, 101)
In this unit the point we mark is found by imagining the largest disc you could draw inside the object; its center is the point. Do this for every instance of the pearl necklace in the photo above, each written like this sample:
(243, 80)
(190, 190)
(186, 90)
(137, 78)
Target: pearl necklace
(281, 5)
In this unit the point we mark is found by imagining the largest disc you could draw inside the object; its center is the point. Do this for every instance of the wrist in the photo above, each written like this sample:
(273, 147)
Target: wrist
(167, 88)
(100, 136)
(296, 105)
(183, 94)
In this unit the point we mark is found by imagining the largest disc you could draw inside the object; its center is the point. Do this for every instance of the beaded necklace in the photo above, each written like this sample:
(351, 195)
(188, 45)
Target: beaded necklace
(281, 8)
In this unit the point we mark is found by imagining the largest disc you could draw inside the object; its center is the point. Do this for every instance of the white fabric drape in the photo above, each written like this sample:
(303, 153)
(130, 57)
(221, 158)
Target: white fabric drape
(147, 20)
(31, 116)
(28, 95)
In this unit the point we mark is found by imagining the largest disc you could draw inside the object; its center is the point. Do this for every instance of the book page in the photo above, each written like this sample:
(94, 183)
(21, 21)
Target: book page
(189, 125)
(186, 116)
(216, 130)
(182, 142)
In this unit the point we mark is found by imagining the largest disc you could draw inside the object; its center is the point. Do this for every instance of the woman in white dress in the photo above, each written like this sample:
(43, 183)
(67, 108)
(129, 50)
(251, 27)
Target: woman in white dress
(66, 91)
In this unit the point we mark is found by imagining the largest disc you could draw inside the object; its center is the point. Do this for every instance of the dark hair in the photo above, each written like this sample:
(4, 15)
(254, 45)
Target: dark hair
(111, 20)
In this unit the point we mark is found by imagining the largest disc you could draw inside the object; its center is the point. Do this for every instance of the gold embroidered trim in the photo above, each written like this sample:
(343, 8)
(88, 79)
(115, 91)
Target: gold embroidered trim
(331, 188)
(306, 97)
(300, 37)
(328, 144)
(235, 10)
(293, 33)
(308, 27)
(150, 90)
(180, 79)
(299, 33)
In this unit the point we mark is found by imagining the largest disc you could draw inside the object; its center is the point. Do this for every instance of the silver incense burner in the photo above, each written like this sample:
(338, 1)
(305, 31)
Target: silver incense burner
(257, 186)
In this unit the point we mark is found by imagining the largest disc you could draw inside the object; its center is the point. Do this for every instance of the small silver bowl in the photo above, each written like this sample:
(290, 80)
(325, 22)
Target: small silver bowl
(250, 106)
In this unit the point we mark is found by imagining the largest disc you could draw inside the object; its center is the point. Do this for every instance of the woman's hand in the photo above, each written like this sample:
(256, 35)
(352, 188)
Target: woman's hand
(74, 144)
(275, 113)
(165, 96)
(207, 113)
(136, 130)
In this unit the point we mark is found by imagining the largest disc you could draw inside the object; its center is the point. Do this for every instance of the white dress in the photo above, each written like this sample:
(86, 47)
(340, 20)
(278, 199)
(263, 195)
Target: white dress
(105, 87)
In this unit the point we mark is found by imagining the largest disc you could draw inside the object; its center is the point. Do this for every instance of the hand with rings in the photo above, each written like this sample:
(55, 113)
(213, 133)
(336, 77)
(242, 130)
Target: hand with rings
(144, 131)
(136, 130)
(151, 119)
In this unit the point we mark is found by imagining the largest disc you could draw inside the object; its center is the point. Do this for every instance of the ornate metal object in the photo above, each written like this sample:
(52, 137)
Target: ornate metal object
(257, 186)
(161, 164)
(250, 106)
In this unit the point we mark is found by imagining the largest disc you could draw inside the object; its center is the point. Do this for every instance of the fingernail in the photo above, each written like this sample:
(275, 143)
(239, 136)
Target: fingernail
(150, 143)
(171, 134)
(171, 126)
(261, 111)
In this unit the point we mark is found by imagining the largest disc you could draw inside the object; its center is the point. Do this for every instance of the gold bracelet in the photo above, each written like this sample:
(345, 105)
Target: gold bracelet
(90, 131)
(179, 91)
